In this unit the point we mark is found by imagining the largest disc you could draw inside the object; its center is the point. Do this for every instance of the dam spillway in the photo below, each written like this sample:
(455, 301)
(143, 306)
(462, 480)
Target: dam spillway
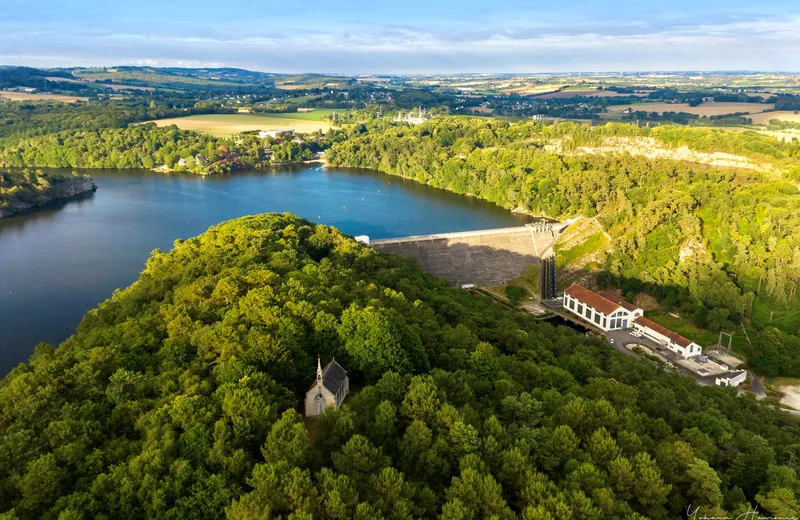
(481, 257)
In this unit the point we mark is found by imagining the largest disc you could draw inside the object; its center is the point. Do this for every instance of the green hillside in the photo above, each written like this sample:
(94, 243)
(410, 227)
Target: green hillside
(178, 397)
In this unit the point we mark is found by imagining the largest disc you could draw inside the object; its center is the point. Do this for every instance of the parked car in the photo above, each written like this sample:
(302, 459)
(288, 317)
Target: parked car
(612, 341)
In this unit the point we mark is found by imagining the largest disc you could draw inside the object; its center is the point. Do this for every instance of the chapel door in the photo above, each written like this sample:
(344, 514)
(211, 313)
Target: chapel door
(320, 404)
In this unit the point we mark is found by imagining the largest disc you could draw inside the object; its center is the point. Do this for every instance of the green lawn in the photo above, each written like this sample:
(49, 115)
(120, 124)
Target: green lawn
(787, 319)
(317, 115)
(593, 243)
(683, 326)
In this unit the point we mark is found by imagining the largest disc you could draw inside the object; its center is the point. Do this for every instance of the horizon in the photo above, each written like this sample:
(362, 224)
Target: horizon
(445, 37)
(587, 73)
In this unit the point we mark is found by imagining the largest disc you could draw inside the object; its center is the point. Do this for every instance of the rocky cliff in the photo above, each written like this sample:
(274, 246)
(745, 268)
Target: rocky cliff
(60, 190)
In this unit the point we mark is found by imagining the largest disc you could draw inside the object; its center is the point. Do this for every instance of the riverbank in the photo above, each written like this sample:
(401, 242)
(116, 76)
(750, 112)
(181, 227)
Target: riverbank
(58, 190)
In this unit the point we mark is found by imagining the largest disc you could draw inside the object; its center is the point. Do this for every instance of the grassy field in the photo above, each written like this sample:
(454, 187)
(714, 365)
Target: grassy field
(24, 96)
(317, 115)
(528, 90)
(226, 125)
(592, 243)
(151, 77)
(705, 109)
(784, 115)
(99, 86)
(683, 326)
(296, 99)
(787, 319)
(564, 94)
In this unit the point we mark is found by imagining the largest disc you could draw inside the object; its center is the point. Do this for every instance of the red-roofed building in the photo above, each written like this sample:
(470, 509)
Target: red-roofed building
(672, 340)
(598, 309)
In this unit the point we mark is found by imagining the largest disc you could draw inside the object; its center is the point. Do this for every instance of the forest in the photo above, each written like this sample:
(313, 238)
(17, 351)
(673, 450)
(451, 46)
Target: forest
(719, 243)
(178, 398)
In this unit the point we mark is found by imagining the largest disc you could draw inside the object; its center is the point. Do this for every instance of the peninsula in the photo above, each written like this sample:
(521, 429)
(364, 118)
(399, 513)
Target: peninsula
(26, 189)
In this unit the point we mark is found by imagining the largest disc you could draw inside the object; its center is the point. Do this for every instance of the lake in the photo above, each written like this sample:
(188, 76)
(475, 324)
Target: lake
(61, 260)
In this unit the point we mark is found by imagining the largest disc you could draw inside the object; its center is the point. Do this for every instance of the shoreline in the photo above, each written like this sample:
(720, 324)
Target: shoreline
(61, 190)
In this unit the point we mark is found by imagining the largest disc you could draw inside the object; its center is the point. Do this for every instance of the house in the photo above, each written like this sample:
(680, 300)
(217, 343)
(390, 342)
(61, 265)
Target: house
(201, 159)
(671, 340)
(329, 389)
(181, 162)
(364, 239)
(605, 311)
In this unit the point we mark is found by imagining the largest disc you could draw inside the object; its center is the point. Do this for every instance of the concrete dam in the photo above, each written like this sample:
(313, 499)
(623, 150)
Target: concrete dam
(482, 257)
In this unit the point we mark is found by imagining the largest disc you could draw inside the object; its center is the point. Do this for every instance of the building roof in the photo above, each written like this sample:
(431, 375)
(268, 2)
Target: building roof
(592, 299)
(622, 302)
(674, 336)
(333, 376)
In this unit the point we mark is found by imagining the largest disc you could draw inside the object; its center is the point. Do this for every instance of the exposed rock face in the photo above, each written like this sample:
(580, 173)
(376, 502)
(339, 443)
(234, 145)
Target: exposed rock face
(61, 190)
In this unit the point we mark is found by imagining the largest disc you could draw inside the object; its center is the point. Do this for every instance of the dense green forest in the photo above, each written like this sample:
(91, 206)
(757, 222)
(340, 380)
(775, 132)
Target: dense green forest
(32, 118)
(178, 398)
(723, 244)
(140, 146)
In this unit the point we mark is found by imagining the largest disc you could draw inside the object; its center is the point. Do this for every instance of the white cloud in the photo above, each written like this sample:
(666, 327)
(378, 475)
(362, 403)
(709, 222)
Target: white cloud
(629, 45)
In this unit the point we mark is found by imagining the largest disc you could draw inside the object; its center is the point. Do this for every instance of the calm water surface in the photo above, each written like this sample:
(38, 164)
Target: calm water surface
(58, 262)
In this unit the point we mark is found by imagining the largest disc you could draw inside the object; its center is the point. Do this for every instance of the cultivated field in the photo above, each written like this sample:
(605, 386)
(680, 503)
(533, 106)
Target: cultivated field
(317, 114)
(528, 90)
(25, 96)
(783, 115)
(565, 94)
(226, 125)
(705, 109)
(98, 85)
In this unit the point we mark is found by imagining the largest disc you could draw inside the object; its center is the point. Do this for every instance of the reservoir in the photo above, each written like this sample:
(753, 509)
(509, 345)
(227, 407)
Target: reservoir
(61, 260)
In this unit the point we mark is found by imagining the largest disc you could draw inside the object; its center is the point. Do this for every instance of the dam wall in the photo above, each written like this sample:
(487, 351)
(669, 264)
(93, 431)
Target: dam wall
(481, 257)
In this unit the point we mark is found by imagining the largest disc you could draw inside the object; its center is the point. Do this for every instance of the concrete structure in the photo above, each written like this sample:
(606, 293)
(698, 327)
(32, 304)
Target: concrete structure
(600, 310)
(672, 340)
(364, 239)
(329, 389)
(484, 257)
(731, 379)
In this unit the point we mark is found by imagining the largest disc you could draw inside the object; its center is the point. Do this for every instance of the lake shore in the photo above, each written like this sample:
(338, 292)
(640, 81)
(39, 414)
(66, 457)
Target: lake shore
(61, 190)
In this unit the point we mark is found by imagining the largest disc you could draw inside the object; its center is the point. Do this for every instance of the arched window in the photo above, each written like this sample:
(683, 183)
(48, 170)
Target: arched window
(320, 402)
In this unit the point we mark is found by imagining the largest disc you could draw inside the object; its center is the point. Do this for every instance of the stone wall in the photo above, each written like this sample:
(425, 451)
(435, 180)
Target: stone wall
(484, 257)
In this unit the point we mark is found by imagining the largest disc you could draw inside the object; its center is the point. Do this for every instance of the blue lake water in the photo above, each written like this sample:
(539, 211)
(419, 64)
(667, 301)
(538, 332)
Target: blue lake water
(61, 260)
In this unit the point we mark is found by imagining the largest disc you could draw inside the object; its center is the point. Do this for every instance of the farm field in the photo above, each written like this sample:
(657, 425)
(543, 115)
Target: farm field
(26, 96)
(564, 94)
(150, 77)
(317, 114)
(226, 125)
(784, 115)
(705, 109)
(529, 90)
(98, 85)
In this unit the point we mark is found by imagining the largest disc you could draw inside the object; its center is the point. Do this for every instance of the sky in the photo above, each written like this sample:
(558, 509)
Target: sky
(407, 36)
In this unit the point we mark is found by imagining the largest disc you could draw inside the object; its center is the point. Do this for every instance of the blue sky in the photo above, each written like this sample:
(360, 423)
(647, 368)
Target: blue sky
(408, 36)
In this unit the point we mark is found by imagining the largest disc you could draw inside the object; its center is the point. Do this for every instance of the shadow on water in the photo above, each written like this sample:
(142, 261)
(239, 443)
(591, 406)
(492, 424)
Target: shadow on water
(558, 321)
(45, 211)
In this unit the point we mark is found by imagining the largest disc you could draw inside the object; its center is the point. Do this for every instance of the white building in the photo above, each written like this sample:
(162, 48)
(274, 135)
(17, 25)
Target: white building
(731, 379)
(275, 133)
(604, 311)
(671, 340)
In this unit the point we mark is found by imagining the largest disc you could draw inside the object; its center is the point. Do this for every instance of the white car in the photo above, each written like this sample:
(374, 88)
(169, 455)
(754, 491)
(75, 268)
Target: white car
(612, 340)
